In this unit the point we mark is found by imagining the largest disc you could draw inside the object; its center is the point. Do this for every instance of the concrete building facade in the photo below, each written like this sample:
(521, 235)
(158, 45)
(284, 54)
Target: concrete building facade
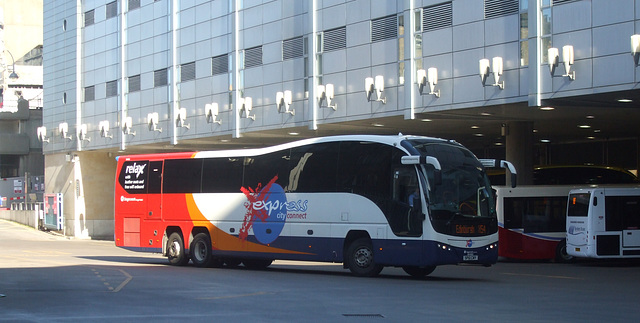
(131, 76)
(21, 97)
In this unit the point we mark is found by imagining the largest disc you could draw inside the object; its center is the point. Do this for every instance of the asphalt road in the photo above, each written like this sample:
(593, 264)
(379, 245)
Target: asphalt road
(48, 278)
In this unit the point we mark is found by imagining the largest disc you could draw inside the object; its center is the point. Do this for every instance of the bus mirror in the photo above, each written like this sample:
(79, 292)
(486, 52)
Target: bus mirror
(514, 178)
(421, 160)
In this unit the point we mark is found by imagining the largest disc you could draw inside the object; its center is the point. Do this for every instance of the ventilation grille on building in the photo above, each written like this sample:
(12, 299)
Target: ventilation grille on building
(438, 16)
(498, 8)
(112, 88)
(112, 9)
(335, 39)
(88, 18)
(219, 64)
(384, 28)
(89, 93)
(292, 48)
(133, 4)
(134, 83)
(557, 2)
(160, 77)
(188, 71)
(253, 57)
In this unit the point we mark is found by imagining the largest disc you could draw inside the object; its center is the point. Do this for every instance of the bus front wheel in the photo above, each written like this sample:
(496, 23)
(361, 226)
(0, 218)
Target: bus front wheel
(201, 250)
(360, 259)
(175, 250)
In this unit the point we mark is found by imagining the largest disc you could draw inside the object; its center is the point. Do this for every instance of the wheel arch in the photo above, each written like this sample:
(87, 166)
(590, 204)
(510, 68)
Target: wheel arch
(167, 233)
(352, 236)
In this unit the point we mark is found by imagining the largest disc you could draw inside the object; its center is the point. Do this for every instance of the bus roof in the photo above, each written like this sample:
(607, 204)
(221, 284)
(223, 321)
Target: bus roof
(392, 140)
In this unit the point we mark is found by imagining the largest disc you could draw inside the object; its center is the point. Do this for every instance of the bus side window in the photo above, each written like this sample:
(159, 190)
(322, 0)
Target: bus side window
(313, 168)
(155, 177)
(182, 176)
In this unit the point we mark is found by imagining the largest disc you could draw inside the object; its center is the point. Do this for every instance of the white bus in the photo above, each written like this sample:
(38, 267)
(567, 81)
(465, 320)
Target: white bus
(364, 201)
(604, 222)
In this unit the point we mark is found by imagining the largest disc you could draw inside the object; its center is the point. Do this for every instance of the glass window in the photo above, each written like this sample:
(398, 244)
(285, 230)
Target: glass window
(182, 175)
(622, 213)
(364, 168)
(535, 214)
(155, 177)
(260, 170)
(222, 175)
(313, 168)
(133, 176)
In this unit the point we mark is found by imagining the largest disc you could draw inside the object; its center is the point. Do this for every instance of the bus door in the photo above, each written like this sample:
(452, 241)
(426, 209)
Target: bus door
(154, 190)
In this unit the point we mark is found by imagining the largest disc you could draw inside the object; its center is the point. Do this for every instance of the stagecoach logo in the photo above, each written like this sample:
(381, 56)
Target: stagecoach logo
(267, 211)
(135, 169)
(469, 243)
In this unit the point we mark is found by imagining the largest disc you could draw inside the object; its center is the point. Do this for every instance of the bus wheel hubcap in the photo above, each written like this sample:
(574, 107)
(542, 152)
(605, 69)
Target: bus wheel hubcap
(363, 257)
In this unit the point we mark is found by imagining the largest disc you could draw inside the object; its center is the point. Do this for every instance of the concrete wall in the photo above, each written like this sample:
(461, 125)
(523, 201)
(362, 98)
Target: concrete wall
(86, 180)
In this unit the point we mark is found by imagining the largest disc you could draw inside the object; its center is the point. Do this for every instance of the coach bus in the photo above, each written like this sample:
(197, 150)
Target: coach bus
(604, 222)
(531, 220)
(364, 201)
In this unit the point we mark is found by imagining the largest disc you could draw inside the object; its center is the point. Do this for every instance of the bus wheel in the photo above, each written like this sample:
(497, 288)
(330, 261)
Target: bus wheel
(360, 259)
(257, 263)
(561, 252)
(175, 250)
(201, 250)
(418, 272)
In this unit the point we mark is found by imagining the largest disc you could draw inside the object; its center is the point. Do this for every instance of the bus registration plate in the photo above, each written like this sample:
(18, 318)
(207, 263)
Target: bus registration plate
(469, 256)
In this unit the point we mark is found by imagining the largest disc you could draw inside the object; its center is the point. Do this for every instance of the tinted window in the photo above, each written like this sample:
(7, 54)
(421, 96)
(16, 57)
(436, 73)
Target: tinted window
(155, 177)
(622, 213)
(365, 168)
(222, 175)
(260, 170)
(182, 175)
(578, 204)
(535, 214)
(313, 168)
(133, 176)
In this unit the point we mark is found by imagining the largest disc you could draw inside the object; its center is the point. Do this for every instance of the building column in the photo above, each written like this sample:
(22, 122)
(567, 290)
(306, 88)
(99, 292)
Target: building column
(519, 150)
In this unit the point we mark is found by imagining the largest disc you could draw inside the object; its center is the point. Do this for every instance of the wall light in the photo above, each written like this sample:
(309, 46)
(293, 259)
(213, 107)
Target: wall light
(326, 94)
(63, 128)
(42, 134)
(635, 48)
(181, 118)
(376, 85)
(283, 102)
(567, 60)
(246, 105)
(494, 67)
(152, 119)
(127, 125)
(431, 77)
(104, 129)
(82, 133)
(211, 112)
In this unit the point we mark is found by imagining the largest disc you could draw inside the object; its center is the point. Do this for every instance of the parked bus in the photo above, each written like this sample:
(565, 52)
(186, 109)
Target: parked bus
(604, 222)
(532, 218)
(531, 221)
(365, 201)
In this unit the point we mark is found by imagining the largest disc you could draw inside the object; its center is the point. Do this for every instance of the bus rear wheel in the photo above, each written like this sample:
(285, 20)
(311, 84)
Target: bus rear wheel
(418, 272)
(201, 250)
(175, 250)
(360, 258)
